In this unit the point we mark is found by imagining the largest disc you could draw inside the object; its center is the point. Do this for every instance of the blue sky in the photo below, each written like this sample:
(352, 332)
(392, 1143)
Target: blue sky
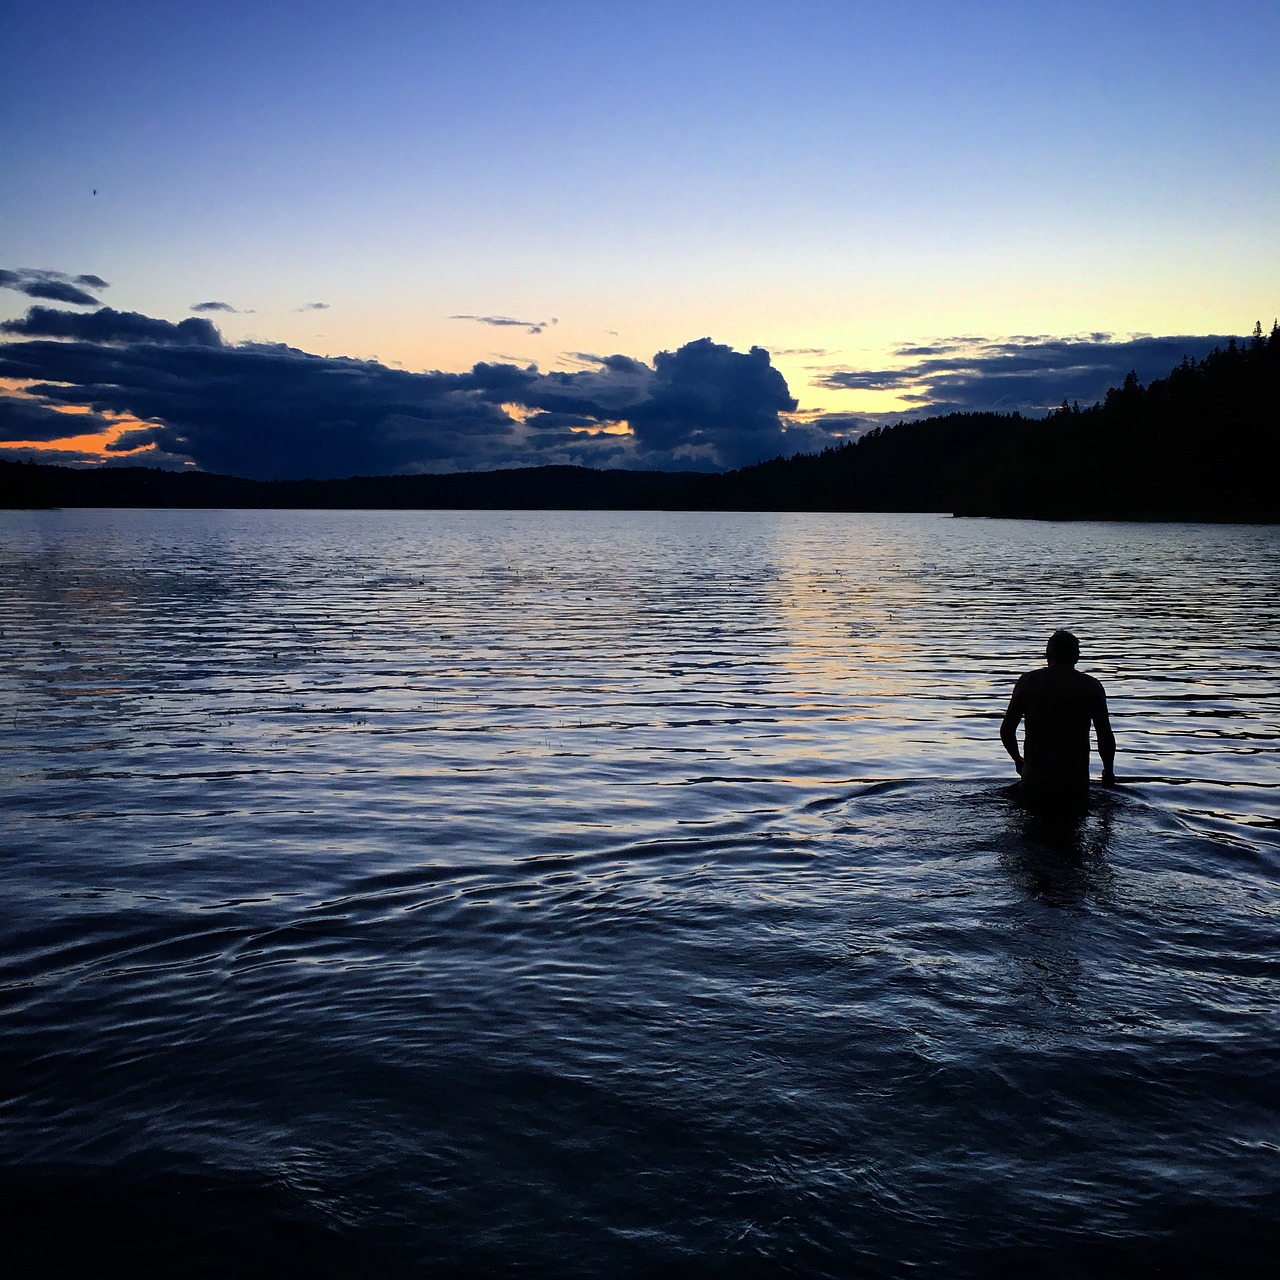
(835, 183)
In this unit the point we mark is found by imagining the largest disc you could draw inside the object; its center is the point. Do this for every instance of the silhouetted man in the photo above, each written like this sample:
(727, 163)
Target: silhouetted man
(1058, 704)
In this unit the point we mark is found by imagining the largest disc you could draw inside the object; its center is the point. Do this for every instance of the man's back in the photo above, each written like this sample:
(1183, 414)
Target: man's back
(1057, 703)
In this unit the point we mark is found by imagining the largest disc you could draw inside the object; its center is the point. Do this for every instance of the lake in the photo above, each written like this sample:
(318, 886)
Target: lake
(598, 894)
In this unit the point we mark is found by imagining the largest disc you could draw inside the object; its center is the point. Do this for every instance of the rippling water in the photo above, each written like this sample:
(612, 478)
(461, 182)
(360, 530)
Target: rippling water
(606, 894)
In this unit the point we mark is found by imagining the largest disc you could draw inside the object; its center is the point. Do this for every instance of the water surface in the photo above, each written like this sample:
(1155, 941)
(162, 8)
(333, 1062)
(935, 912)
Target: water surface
(589, 893)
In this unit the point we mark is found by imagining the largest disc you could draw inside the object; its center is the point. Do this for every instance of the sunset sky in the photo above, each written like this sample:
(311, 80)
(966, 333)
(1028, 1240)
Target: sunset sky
(908, 207)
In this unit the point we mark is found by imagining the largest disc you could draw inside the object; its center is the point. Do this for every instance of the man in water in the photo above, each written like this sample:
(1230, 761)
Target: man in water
(1058, 704)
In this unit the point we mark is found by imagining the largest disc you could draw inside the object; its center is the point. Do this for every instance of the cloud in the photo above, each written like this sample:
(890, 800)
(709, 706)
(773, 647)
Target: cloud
(25, 419)
(506, 322)
(108, 326)
(271, 411)
(313, 306)
(800, 351)
(560, 421)
(615, 364)
(219, 306)
(1028, 373)
(865, 380)
(54, 286)
(710, 402)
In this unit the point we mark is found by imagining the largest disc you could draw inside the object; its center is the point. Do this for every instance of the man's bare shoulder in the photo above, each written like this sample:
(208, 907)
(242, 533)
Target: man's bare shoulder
(1091, 683)
(1087, 691)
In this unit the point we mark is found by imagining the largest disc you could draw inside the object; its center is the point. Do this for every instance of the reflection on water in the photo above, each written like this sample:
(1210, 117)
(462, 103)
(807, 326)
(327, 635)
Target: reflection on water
(604, 894)
(1062, 857)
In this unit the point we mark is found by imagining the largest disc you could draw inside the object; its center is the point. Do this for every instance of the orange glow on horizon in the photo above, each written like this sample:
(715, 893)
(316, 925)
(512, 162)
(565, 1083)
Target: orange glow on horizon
(92, 443)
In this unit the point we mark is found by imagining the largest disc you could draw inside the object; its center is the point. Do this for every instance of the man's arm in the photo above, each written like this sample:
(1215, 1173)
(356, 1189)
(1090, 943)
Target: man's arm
(1106, 739)
(1009, 727)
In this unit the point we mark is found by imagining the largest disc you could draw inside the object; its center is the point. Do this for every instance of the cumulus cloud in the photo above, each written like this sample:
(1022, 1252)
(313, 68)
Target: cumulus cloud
(507, 322)
(53, 286)
(271, 411)
(710, 402)
(1029, 373)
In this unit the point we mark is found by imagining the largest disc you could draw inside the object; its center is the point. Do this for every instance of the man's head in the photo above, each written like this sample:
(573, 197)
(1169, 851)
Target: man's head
(1062, 648)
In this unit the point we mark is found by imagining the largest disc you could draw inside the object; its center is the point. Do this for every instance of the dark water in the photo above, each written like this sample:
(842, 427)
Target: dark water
(621, 894)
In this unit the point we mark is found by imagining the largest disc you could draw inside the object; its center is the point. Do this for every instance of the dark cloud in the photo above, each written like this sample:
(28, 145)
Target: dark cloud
(864, 380)
(219, 306)
(616, 363)
(560, 421)
(711, 402)
(25, 419)
(108, 326)
(272, 411)
(53, 286)
(267, 411)
(935, 349)
(1027, 373)
(506, 322)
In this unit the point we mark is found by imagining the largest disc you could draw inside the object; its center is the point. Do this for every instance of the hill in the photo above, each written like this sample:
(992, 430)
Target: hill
(30, 484)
